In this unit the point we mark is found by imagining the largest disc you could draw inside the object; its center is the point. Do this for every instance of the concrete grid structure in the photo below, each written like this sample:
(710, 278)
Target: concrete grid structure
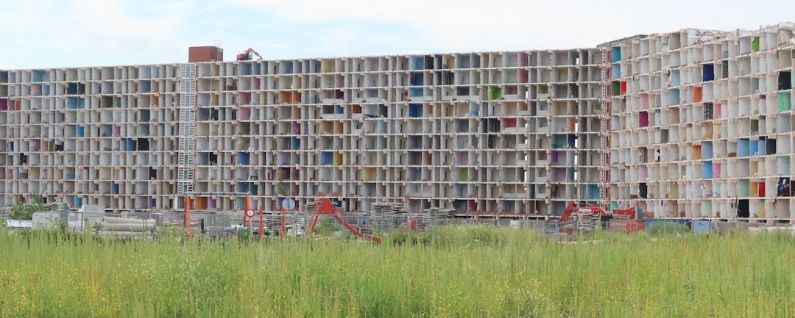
(503, 132)
(686, 124)
(702, 123)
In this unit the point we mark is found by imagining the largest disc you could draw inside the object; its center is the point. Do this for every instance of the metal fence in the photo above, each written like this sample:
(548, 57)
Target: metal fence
(216, 225)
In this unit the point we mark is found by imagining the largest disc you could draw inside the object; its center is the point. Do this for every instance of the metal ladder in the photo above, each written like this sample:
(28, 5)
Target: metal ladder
(187, 128)
(604, 131)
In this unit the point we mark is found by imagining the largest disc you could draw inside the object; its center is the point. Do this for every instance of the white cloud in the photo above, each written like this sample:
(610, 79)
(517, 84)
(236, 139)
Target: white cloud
(90, 32)
(104, 28)
(529, 24)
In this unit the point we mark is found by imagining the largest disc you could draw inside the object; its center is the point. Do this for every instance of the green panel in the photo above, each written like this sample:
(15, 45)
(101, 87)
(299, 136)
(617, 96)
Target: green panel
(615, 88)
(742, 190)
(755, 44)
(463, 174)
(494, 93)
(784, 101)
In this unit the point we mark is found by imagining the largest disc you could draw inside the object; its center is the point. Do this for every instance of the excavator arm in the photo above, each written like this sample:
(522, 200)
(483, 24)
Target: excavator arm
(325, 207)
(571, 208)
(248, 54)
(567, 212)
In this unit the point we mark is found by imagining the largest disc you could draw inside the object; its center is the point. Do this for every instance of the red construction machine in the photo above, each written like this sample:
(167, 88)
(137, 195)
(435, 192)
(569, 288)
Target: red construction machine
(595, 210)
(248, 55)
(324, 207)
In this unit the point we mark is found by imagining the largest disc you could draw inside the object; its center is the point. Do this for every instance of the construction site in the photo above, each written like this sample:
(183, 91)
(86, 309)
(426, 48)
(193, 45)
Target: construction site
(691, 125)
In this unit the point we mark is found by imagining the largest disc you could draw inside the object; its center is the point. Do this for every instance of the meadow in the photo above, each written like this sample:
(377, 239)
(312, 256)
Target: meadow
(447, 272)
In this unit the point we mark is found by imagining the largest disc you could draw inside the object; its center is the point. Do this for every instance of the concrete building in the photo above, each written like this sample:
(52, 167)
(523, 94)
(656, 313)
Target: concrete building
(685, 124)
(701, 124)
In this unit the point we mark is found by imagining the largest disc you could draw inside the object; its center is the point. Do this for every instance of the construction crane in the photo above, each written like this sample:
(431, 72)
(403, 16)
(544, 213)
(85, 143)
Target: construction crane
(248, 55)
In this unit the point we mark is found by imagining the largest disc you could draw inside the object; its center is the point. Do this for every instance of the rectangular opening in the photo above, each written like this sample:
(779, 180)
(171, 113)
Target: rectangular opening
(708, 72)
(784, 80)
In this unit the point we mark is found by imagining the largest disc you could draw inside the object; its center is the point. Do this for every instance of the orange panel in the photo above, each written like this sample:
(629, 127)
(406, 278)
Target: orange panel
(697, 94)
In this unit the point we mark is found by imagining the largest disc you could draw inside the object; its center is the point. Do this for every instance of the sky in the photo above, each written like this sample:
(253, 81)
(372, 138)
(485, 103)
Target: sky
(62, 33)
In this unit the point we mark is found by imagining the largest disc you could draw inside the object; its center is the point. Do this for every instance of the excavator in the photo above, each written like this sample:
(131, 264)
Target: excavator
(324, 207)
(248, 55)
(595, 210)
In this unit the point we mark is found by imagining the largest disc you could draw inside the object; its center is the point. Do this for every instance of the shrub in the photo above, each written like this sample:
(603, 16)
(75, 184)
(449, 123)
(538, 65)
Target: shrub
(25, 210)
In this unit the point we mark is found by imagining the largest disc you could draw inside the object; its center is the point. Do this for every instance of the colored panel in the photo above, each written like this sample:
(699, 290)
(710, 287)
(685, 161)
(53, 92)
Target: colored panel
(708, 72)
(743, 148)
(743, 188)
(706, 170)
(643, 119)
(784, 101)
(615, 54)
(615, 88)
(415, 110)
(463, 174)
(697, 94)
(494, 93)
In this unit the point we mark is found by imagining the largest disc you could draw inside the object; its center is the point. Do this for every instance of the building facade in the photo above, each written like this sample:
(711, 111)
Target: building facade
(685, 124)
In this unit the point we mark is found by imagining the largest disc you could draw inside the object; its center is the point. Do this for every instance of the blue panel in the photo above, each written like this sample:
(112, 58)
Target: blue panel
(146, 86)
(615, 54)
(700, 227)
(754, 148)
(243, 158)
(616, 71)
(129, 144)
(743, 148)
(416, 62)
(71, 89)
(706, 150)
(326, 158)
(593, 192)
(80, 131)
(77, 202)
(295, 143)
(706, 169)
(415, 110)
(708, 72)
(37, 76)
(415, 92)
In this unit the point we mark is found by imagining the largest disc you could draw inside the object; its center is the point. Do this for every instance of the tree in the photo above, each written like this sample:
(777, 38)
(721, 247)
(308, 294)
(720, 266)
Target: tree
(25, 210)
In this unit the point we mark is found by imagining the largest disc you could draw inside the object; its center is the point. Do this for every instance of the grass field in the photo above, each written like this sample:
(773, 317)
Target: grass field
(447, 272)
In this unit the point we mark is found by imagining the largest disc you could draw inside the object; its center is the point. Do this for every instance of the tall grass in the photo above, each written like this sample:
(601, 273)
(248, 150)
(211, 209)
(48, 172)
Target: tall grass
(447, 272)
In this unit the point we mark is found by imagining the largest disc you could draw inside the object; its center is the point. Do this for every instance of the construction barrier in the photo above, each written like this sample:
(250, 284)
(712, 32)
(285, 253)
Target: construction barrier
(626, 226)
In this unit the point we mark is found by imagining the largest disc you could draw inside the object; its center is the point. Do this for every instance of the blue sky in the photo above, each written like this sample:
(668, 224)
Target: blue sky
(48, 33)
